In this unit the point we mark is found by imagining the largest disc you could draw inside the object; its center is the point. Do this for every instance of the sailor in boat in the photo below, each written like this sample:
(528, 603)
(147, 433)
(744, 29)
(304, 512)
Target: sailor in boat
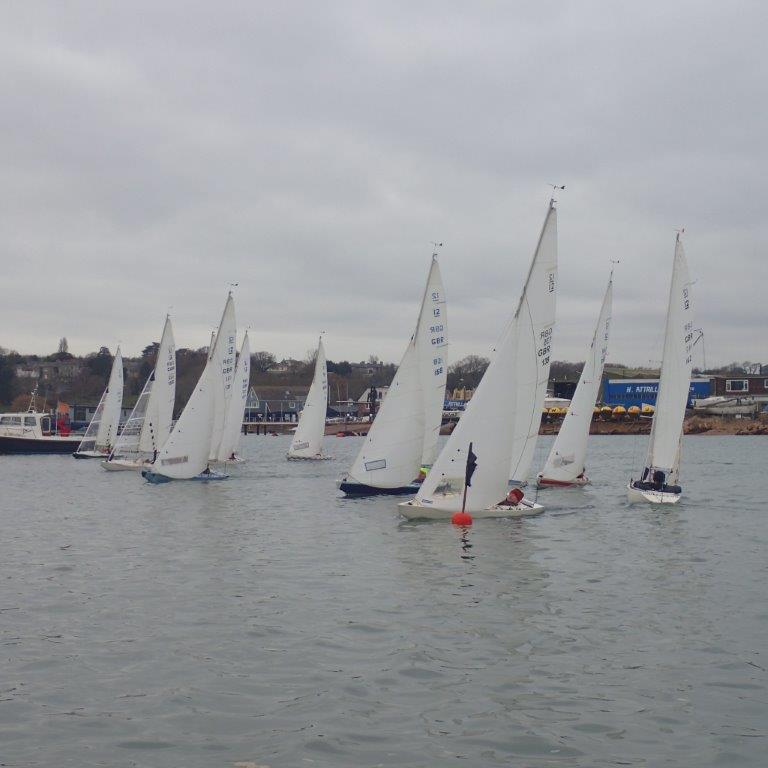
(513, 498)
(657, 482)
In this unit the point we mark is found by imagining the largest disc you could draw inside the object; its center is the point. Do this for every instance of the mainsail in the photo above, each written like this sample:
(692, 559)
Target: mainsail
(566, 461)
(308, 439)
(675, 379)
(221, 360)
(489, 421)
(535, 324)
(405, 430)
(233, 423)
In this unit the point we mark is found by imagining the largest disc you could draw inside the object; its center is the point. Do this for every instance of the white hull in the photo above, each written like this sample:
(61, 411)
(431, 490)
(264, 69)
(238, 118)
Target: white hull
(232, 460)
(116, 465)
(637, 496)
(412, 510)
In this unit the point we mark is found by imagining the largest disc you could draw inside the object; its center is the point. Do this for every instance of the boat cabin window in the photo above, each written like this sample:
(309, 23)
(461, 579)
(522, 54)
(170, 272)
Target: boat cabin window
(15, 420)
(29, 421)
(45, 423)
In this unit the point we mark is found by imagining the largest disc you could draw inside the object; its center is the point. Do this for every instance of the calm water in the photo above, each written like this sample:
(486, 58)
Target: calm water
(267, 622)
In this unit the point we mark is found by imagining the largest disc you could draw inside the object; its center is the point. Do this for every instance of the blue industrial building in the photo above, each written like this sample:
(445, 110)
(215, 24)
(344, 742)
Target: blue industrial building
(628, 392)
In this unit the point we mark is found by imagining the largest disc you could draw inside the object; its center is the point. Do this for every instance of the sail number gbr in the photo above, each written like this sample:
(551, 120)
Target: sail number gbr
(545, 339)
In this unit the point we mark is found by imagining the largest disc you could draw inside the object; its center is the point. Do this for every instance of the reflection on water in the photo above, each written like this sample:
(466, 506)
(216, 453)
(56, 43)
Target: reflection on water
(267, 621)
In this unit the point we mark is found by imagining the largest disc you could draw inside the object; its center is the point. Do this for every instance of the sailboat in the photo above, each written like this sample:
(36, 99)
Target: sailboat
(233, 421)
(307, 441)
(489, 422)
(659, 483)
(150, 422)
(197, 436)
(565, 464)
(403, 436)
(99, 438)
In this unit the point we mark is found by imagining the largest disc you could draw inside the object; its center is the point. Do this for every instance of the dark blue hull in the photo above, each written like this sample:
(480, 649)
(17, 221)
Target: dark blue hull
(39, 445)
(358, 489)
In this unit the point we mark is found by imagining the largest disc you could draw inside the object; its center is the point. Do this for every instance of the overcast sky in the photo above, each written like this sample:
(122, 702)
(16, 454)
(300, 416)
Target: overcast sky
(153, 153)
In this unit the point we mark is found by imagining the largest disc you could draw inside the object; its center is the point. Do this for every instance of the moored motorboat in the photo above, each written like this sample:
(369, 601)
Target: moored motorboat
(33, 432)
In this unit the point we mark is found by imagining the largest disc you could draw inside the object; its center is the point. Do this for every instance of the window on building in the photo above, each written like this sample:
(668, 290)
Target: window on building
(736, 385)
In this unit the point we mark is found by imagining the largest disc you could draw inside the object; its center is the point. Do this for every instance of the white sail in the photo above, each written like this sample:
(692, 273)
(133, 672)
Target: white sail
(536, 320)
(185, 453)
(221, 359)
(233, 424)
(150, 421)
(489, 419)
(159, 417)
(393, 449)
(102, 431)
(567, 459)
(308, 439)
(432, 350)
(675, 379)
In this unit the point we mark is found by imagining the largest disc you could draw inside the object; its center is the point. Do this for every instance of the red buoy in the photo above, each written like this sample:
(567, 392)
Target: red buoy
(461, 518)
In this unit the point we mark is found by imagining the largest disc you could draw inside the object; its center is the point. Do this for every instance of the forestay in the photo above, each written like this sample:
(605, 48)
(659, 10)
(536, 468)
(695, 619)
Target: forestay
(567, 459)
(233, 423)
(406, 427)
(535, 324)
(308, 439)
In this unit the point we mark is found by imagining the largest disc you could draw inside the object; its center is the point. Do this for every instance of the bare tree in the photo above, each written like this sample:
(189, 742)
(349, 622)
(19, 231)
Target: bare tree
(262, 361)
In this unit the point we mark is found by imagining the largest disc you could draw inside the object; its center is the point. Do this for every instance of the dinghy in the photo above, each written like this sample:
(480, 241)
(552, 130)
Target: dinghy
(99, 438)
(150, 422)
(566, 461)
(233, 421)
(659, 483)
(307, 441)
(404, 434)
(489, 421)
(190, 450)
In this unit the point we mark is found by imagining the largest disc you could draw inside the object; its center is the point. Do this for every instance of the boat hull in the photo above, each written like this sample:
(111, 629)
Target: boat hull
(205, 477)
(116, 465)
(639, 496)
(412, 510)
(360, 490)
(89, 455)
(546, 482)
(27, 445)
